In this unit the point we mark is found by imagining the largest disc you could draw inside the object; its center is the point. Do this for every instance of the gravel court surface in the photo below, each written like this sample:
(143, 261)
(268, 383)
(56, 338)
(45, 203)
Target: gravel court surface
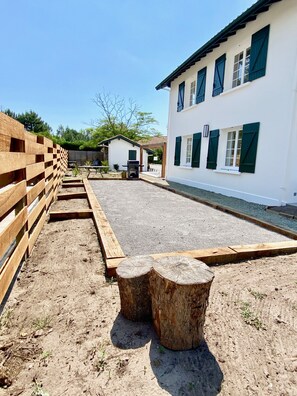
(147, 220)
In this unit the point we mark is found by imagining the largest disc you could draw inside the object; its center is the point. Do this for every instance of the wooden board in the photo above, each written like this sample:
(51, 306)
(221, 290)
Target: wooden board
(264, 249)
(10, 196)
(109, 243)
(11, 127)
(12, 161)
(71, 214)
(10, 267)
(34, 170)
(68, 185)
(74, 195)
(36, 211)
(9, 234)
(35, 191)
(36, 232)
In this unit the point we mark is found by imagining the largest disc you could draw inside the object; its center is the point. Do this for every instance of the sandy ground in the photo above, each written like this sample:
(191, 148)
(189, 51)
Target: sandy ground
(147, 220)
(61, 332)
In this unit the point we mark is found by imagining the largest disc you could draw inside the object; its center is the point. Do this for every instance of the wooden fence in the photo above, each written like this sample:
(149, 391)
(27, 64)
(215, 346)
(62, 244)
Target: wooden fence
(31, 169)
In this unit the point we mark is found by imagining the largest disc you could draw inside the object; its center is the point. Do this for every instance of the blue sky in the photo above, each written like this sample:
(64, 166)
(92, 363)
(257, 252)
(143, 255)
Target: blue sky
(57, 54)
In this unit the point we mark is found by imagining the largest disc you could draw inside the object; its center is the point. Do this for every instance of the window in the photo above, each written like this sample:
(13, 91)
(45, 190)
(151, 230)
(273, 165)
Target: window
(181, 96)
(132, 155)
(192, 93)
(241, 68)
(233, 149)
(219, 74)
(188, 161)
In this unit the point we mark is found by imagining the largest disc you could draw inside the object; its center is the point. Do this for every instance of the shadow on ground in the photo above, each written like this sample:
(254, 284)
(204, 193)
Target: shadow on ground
(180, 373)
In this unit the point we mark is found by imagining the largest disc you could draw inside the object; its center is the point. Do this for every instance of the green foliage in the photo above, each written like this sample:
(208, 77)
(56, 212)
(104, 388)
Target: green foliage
(106, 166)
(249, 316)
(31, 121)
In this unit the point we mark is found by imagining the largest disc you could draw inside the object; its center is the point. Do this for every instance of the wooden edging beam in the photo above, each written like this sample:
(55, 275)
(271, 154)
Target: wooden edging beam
(74, 195)
(222, 255)
(225, 209)
(111, 248)
(71, 214)
(68, 185)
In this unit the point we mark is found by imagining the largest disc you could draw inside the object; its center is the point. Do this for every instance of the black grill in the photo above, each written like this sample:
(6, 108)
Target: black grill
(133, 169)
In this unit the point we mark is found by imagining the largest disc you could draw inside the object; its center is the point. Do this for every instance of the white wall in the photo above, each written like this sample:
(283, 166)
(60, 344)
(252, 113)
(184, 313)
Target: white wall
(118, 153)
(270, 100)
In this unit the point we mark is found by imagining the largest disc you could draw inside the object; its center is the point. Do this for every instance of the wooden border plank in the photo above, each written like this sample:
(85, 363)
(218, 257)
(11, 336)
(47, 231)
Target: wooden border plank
(74, 195)
(69, 185)
(11, 195)
(109, 243)
(71, 214)
(9, 269)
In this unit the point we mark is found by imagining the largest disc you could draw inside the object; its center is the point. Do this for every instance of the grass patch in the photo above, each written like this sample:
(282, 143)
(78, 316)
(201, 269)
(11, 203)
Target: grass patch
(250, 317)
(5, 319)
(38, 390)
(257, 295)
(101, 363)
(42, 323)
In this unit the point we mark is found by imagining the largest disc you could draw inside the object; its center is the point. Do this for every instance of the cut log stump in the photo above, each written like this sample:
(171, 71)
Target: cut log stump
(133, 281)
(179, 288)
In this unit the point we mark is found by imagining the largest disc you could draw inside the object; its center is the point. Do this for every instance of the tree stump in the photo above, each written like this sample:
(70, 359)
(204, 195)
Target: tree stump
(179, 288)
(133, 281)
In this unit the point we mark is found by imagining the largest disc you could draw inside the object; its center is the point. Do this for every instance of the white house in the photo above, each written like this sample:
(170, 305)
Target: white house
(233, 109)
(121, 149)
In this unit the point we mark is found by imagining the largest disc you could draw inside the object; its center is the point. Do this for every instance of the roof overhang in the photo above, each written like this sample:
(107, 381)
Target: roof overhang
(230, 30)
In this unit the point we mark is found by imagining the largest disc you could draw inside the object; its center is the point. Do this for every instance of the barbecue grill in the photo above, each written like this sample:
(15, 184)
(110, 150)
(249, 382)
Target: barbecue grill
(133, 169)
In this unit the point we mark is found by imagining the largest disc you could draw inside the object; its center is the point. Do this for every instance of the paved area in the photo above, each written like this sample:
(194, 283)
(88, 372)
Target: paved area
(252, 209)
(147, 219)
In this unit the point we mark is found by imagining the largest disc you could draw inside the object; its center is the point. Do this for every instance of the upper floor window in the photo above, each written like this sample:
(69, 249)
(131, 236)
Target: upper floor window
(233, 149)
(241, 68)
(192, 93)
(181, 96)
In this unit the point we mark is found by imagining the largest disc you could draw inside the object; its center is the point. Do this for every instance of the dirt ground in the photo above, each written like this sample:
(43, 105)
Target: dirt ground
(61, 332)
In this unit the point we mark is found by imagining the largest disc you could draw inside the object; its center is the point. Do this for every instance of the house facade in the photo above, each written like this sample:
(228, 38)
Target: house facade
(232, 125)
(122, 149)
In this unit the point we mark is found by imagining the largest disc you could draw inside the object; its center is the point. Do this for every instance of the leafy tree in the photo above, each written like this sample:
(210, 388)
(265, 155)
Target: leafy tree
(31, 121)
(118, 116)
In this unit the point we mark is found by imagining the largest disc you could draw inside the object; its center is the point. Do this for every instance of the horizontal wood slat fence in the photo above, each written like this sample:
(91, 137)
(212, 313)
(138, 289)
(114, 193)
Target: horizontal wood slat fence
(31, 170)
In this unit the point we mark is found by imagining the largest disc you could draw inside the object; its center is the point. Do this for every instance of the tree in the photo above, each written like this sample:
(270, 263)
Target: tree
(118, 116)
(31, 121)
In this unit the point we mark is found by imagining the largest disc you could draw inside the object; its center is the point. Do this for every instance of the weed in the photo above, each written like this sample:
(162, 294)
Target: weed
(161, 349)
(88, 163)
(46, 354)
(257, 295)
(38, 390)
(75, 170)
(5, 318)
(249, 317)
(101, 361)
(42, 323)
(191, 386)
(111, 281)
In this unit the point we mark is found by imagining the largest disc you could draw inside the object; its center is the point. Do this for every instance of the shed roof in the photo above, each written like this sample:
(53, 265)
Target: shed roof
(230, 30)
(122, 137)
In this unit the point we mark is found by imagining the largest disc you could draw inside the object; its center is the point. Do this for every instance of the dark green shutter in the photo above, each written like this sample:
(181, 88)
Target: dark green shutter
(196, 150)
(249, 145)
(132, 155)
(213, 149)
(181, 96)
(201, 85)
(177, 150)
(259, 50)
(218, 81)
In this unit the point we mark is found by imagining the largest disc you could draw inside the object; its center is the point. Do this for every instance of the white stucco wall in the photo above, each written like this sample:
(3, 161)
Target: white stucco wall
(118, 153)
(270, 100)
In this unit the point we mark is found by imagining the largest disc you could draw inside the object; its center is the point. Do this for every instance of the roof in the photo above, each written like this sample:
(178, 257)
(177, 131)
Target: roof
(122, 137)
(154, 141)
(230, 30)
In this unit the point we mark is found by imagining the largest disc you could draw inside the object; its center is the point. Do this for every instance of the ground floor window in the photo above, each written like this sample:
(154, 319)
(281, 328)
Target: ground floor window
(187, 143)
(233, 149)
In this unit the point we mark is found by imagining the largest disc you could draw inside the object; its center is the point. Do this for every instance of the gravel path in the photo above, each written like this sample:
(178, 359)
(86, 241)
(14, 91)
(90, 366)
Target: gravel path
(147, 219)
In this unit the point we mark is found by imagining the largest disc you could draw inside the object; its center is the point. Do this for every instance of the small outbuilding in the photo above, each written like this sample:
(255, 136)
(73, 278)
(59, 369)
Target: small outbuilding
(121, 149)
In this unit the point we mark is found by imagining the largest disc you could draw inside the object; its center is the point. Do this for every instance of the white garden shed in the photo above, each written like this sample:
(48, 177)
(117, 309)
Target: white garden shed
(121, 149)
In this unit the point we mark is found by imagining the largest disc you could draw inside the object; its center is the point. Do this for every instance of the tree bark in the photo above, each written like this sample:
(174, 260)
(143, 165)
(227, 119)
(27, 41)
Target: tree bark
(179, 288)
(133, 281)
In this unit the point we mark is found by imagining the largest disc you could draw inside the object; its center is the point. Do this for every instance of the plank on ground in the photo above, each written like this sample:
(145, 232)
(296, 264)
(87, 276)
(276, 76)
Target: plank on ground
(110, 245)
(264, 249)
(10, 267)
(71, 195)
(71, 214)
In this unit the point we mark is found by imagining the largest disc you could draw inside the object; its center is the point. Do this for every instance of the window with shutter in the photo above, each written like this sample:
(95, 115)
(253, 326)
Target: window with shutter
(258, 57)
(177, 150)
(181, 96)
(219, 73)
(196, 148)
(249, 144)
(201, 85)
(212, 154)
